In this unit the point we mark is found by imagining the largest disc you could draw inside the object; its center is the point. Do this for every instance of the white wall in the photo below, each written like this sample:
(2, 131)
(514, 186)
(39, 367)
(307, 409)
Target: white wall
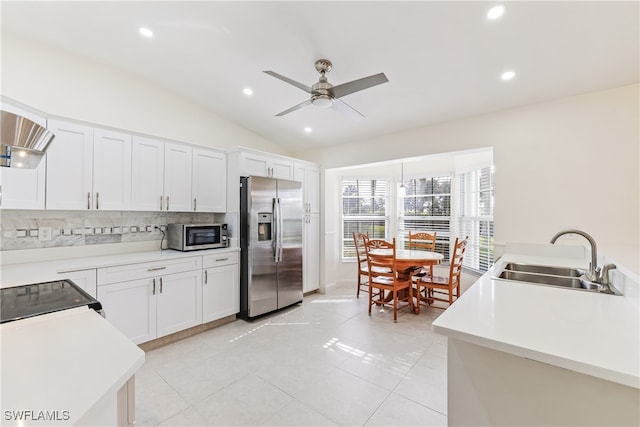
(570, 162)
(62, 84)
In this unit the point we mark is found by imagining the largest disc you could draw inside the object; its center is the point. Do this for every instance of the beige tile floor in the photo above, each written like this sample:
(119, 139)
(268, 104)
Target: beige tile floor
(322, 363)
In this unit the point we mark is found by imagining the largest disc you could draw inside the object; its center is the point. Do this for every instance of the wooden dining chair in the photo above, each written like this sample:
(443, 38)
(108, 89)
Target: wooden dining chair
(359, 240)
(436, 288)
(423, 241)
(384, 277)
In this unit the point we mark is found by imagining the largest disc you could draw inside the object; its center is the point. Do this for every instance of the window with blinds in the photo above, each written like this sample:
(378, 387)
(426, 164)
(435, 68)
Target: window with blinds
(364, 210)
(475, 217)
(425, 205)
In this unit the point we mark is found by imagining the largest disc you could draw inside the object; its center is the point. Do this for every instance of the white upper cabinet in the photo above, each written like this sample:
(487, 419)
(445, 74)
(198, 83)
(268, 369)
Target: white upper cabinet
(177, 177)
(23, 188)
(258, 164)
(209, 183)
(309, 175)
(70, 167)
(147, 174)
(111, 170)
(178, 166)
(88, 168)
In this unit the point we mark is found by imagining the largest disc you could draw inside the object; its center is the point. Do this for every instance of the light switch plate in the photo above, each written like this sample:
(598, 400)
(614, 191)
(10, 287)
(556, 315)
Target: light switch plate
(21, 233)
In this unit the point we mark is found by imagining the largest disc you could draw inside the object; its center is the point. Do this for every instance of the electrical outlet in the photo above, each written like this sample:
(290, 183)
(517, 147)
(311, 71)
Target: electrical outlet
(20, 232)
(33, 232)
(44, 234)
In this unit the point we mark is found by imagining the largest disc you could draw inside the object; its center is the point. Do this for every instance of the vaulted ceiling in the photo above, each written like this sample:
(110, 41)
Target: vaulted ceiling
(444, 60)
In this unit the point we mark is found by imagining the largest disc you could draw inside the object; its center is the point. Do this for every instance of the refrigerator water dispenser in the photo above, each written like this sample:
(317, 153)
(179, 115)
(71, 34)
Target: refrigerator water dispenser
(264, 226)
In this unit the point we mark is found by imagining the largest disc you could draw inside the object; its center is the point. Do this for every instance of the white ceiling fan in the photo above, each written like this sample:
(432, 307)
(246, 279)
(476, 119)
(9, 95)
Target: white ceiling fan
(324, 94)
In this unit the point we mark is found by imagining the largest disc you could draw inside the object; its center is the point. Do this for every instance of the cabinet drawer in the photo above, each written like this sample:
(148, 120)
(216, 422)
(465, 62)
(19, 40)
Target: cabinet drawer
(218, 260)
(123, 273)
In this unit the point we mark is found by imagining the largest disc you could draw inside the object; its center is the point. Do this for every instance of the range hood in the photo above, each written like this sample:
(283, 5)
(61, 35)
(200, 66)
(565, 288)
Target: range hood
(22, 142)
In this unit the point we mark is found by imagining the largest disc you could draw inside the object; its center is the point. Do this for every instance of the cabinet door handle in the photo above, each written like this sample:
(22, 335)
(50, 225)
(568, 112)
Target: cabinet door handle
(161, 285)
(97, 200)
(167, 202)
(221, 259)
(156, 268)
(88, 199)
(160, 202)
(206, 277)
(194, 204)
(153, 291)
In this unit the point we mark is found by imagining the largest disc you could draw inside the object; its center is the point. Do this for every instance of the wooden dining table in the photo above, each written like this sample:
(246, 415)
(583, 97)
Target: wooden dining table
(408, 260)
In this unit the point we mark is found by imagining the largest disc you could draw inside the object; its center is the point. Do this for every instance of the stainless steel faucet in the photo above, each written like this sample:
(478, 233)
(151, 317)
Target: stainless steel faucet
(593, 274)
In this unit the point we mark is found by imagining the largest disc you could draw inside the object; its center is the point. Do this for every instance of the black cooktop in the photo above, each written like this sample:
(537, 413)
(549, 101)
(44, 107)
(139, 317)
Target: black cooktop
(25, 301)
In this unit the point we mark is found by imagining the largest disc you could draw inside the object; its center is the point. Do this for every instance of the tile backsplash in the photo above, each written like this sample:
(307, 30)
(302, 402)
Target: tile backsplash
(30, 229)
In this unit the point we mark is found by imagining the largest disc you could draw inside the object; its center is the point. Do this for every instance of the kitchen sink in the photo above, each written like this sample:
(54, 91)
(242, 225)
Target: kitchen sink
(544, 279)
(564, 277)
(544, 269)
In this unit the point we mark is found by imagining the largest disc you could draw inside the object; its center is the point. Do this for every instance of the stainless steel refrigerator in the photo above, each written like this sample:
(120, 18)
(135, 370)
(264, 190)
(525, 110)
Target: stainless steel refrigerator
(271, 243)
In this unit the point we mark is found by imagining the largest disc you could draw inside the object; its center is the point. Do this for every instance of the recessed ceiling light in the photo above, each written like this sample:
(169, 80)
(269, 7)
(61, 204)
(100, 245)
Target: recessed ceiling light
(247, 91)
(308, 129)
(495, 12)
(508, 75)
(145, 32)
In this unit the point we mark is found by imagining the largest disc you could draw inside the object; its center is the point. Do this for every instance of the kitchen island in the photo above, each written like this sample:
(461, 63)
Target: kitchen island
(69, 367)
(526, 354)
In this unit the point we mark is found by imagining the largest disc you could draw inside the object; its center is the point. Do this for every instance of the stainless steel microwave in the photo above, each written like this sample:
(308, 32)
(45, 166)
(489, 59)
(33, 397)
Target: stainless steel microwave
(191, 237)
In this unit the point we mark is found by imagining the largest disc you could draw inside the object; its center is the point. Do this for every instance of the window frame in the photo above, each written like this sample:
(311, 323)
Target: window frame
(443, 237)
(347, 244)
(479, 255)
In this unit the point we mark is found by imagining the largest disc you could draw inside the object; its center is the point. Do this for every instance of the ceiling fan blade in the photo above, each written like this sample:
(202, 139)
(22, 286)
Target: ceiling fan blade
(357, 85)
(343, 107)
(288, 80)
(295, 107)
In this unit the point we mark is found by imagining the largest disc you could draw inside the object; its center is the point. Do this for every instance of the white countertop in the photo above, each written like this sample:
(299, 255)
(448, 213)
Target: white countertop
(36, 272)
(591, 333)
(64, 361)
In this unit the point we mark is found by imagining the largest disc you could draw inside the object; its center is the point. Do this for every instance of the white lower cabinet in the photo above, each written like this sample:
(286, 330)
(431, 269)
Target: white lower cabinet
(179, 300)
(158, 302)
(153, 299)
(220, 286)
(130, 307)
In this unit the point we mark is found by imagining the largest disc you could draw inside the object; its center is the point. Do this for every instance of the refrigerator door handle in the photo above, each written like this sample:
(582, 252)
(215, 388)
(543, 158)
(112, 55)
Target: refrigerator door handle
(275, 225)
(280, 232)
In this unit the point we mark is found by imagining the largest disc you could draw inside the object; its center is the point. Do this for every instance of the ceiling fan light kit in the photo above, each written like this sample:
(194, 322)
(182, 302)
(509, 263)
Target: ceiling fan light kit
(324, 94)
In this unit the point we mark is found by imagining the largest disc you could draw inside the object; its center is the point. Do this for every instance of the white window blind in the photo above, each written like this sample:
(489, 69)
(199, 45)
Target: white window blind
(364, 210)
(425, 205)
(475, 217)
